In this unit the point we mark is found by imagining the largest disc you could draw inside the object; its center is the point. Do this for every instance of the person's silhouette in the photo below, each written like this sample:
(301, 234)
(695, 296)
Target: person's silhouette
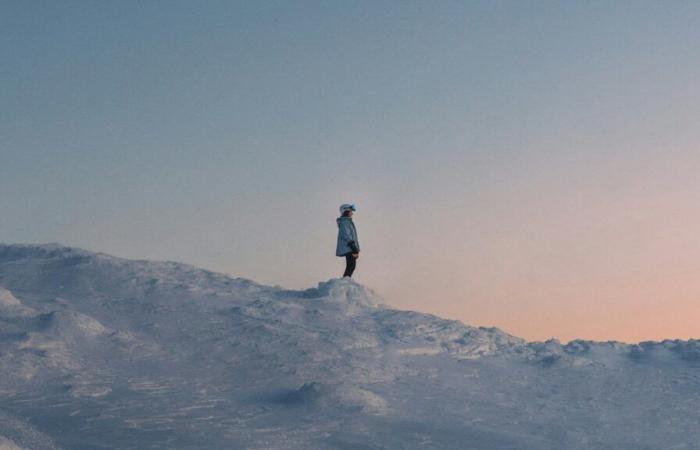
(348, 245)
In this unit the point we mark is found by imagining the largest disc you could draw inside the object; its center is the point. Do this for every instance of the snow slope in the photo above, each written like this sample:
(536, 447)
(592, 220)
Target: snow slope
(98, 352)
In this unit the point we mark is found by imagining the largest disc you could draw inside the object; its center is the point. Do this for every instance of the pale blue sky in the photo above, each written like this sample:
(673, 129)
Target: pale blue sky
(484, 143)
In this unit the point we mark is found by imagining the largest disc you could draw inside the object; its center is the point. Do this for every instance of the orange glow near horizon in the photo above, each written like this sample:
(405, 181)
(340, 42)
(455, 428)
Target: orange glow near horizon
(617, 258)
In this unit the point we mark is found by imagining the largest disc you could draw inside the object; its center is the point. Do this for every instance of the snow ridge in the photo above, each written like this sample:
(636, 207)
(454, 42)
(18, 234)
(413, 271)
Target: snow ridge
(104, 352)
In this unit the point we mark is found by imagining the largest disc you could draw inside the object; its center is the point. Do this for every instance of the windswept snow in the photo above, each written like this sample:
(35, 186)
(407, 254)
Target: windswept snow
(103, 352)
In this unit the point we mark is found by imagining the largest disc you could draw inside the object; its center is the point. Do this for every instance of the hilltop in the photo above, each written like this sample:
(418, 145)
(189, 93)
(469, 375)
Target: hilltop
(104, 352)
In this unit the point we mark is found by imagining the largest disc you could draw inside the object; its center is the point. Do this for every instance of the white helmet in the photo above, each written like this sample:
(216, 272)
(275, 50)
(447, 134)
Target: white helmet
(345, 206)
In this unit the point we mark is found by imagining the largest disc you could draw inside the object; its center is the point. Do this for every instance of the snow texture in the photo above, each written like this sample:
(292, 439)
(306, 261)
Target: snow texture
(98, 352)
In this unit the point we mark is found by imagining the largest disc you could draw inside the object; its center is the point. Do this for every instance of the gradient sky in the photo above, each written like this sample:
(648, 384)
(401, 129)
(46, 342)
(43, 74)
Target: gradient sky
(530, 165)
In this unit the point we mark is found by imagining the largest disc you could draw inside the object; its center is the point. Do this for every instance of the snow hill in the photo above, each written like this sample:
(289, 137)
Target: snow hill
(98, 352)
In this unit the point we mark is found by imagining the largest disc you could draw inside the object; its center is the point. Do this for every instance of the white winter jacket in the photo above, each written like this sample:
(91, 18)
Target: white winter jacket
(347, 237)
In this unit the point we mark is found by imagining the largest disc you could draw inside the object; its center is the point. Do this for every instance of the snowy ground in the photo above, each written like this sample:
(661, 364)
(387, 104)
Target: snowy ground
(98, 352)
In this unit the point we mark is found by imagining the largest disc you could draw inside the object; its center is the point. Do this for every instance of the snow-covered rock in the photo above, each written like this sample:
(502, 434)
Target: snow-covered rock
(103, 352)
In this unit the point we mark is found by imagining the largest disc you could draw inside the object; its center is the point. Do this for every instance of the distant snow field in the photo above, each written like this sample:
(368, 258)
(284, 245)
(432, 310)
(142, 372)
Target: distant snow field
(98, 352)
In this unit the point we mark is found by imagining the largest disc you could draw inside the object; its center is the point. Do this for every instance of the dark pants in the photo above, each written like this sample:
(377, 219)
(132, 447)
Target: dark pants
(349, 265)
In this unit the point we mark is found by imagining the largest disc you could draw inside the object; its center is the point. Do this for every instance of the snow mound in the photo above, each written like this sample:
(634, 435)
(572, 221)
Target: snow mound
(362, 400)
(307, 394)
(347, 397)
(72, 326)
(34, 344)
(347, 293)
(19, 252)
(7, 444)
(11, 306)
(425, 334)
(7, 299)
(53, 269)
(18, 433)
(551, 352)
(687, 351)
(114, 353)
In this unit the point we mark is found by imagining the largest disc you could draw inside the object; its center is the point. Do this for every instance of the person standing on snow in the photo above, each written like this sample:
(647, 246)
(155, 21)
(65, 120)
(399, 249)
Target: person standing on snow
(348, 245)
